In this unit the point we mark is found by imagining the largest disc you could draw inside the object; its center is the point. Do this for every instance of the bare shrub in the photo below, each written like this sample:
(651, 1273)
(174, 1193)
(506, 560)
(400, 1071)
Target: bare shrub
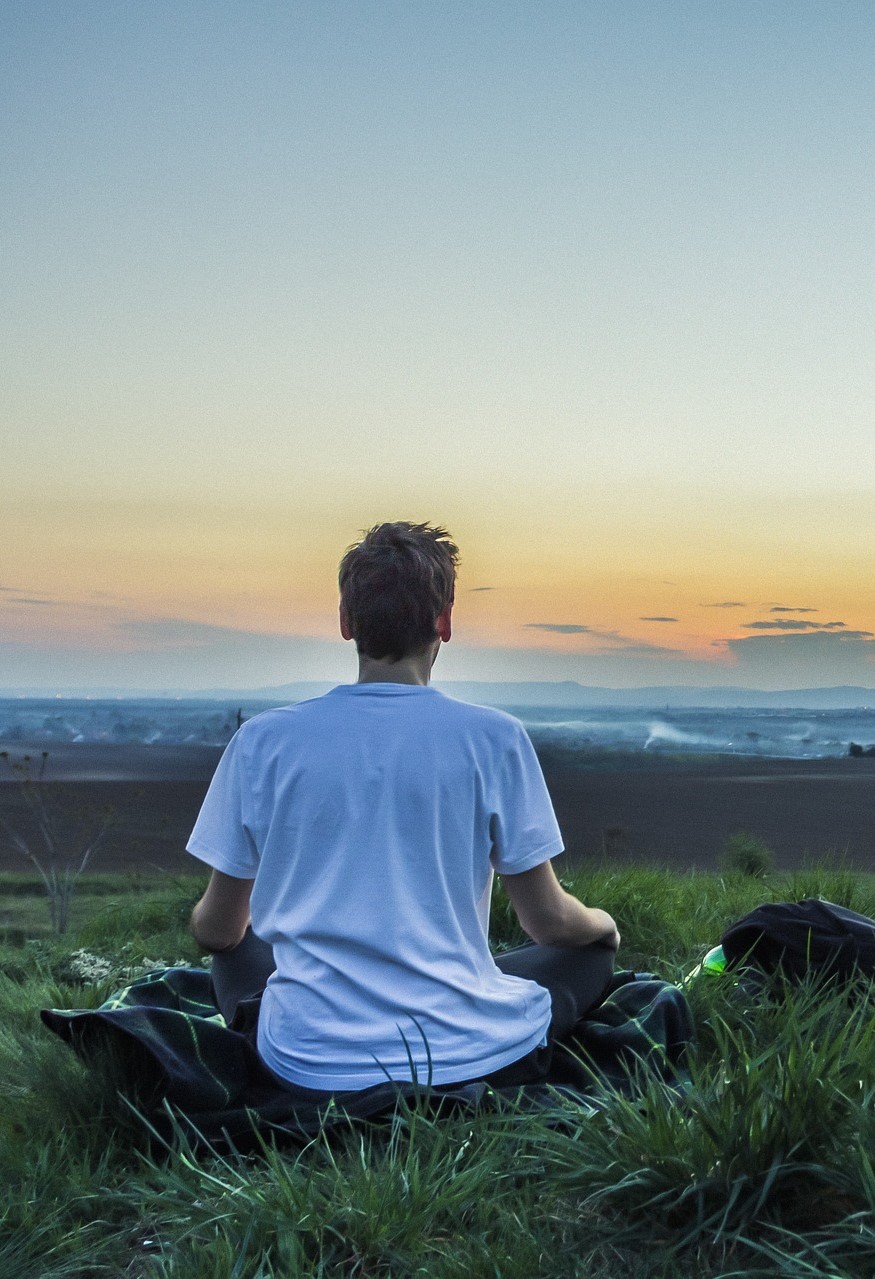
(61, 837)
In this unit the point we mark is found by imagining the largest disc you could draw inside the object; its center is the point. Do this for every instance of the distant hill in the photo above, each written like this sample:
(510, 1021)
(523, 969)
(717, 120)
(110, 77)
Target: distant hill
(570, 693)
(507, 693)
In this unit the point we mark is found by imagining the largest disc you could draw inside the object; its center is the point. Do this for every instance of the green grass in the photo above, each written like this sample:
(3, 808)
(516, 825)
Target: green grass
(766, 1168)
(108, 911)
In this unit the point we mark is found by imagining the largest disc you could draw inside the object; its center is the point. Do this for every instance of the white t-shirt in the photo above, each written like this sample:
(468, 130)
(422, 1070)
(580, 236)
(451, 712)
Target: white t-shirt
(371, 820)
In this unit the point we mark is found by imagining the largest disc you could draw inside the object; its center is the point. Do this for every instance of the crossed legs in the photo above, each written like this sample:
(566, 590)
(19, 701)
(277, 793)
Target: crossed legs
(576, 979)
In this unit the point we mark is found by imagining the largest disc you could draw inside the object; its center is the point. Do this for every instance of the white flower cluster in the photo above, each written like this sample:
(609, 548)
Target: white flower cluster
(153, 966)
(85, 966)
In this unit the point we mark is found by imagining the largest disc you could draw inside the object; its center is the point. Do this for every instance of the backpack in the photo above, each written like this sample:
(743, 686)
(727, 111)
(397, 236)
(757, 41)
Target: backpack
(799, 938)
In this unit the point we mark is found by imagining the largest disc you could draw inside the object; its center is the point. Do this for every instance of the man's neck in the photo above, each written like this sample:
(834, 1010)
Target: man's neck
(415, 668)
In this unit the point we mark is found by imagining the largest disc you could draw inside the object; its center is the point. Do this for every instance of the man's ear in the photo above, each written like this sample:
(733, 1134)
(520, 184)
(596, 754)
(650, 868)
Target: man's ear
(344, 624)
(444, 624)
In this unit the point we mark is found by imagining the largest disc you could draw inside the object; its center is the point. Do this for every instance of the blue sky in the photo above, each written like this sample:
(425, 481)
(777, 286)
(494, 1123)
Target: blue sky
(589, 283)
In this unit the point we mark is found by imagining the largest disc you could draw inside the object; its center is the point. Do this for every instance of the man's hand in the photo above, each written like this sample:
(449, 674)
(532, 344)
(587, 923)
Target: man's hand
(221, 917)
(553, 917)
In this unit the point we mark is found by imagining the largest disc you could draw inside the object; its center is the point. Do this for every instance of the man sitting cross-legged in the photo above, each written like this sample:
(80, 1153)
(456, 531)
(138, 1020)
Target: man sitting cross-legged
(353, 840)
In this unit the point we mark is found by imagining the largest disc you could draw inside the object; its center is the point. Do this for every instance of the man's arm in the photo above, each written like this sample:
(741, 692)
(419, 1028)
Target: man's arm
(551, 916)
(221, 917)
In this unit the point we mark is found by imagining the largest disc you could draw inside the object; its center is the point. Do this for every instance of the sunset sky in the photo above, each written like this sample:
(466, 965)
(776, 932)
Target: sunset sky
(589, 283)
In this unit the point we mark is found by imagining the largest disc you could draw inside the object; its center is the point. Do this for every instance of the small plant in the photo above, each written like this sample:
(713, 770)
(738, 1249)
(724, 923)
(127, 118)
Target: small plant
(65, 838)
(87, 968)
(747, 855)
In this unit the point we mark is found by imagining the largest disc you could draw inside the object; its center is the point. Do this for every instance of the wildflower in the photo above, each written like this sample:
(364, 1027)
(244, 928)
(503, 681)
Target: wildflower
(87, 967)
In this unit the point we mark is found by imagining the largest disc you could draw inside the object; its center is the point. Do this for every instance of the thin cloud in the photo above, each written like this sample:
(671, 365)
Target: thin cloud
(182, 633)
(630, 648)
(787, 624)
(726, 604)
(780, 608)
(561, 628)
(613, 643)
(474, 590)
(658, 619)
(811, 640)
(26, 599)
(784, 625)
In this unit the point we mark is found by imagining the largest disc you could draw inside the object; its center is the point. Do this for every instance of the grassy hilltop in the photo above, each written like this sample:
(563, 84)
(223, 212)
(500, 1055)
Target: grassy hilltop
(766, 1168)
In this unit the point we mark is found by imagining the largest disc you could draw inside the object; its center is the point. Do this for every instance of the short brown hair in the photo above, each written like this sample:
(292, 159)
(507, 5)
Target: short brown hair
(394, 584)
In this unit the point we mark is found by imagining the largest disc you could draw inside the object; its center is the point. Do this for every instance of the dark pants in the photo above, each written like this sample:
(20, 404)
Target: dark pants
(576, 979)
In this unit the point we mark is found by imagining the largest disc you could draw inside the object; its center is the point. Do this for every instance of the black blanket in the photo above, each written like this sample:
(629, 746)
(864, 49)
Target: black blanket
(172, 1053)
